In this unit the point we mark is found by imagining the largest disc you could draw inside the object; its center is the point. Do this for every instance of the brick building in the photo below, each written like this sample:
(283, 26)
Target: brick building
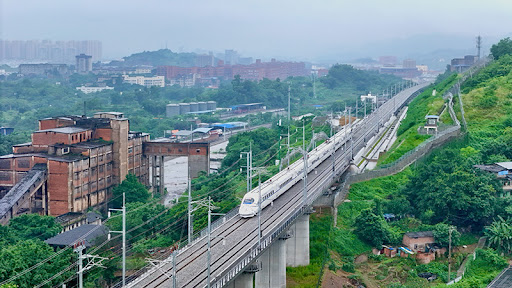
(84, 158)
(256, 71)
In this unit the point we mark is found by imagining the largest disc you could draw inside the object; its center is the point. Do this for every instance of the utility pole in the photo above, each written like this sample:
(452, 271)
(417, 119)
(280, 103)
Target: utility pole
(450, 230)
(159, 263)
(351, 140)
(365, 107)
(123, 232)
(356, 109)
(333, 135)
(248, 165)
(79, 247)
(305, 162)
(189, 209)
(289, 106)
(210, 207)
(259, 210)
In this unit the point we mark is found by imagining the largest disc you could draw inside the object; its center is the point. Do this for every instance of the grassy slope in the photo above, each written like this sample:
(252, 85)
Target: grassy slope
(424, 104)
(485, 121)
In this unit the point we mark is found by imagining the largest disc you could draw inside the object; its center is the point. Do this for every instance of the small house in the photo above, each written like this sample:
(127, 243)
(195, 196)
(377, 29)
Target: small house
(418, 241)
(503, 171)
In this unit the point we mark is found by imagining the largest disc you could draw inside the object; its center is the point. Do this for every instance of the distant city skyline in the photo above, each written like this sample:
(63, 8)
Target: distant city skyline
(289, 30)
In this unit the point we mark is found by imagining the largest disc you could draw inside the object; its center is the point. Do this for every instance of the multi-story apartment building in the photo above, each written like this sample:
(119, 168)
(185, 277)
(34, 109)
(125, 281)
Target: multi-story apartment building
(145, 81)
(84, 158)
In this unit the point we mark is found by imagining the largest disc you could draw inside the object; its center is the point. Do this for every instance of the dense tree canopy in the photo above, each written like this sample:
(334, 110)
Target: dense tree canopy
(133, 189)
(448, 186)
(504, 47)
(22, 246)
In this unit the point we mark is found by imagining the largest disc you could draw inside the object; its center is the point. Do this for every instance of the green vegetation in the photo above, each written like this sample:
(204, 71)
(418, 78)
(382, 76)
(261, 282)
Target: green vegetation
(441, 190)
(133, 189)
(424, 104)
(307, 276)
(157, 58)
(502, 48)
(22, 246)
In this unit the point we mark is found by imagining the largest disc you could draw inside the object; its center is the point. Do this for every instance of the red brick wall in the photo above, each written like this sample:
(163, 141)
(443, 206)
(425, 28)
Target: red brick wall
(50, 138)
(58, 186)
(105, 134)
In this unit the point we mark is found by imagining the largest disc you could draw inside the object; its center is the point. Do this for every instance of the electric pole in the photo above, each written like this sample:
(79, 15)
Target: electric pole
(123, 232)
(79, 247)
(248, 165)
(210, 207)
(305, 157)
(449, 251)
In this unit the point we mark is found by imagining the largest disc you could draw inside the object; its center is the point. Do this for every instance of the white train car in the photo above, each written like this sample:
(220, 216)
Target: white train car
(284, 180)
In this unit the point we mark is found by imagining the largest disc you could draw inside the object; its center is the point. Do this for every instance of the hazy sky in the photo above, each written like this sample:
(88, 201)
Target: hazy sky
(308, 30)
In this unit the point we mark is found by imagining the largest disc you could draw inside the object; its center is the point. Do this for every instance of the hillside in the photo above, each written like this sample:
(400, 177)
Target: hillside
(441, 190)
(157, 58)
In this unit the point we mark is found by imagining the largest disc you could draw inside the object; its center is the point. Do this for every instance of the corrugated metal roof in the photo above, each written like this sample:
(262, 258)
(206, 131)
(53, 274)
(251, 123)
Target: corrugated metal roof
(202, 130)
(506, 165)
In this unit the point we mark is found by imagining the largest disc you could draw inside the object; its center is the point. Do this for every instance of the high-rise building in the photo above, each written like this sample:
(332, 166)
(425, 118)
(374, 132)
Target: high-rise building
(409, 63)
(83, 63)
(231, 57)
(49, 51)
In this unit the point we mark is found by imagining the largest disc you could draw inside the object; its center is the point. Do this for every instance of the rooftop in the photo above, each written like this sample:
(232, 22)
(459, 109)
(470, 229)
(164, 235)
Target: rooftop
(503, 280)
(506, 165)
(420, 234)
(86, 232)
(64, 130)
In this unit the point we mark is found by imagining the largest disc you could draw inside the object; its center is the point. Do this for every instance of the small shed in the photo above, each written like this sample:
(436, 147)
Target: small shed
(431, 123)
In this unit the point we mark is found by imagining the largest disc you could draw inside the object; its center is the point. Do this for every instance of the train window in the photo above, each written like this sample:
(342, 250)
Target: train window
(248, 200)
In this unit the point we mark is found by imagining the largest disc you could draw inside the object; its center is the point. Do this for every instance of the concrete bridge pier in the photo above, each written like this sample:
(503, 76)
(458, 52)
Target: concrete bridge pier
(297, 247)
(273, 267)
(157, 173)
(244, 280)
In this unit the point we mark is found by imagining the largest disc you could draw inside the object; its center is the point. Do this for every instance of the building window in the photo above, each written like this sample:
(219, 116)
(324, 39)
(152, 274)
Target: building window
(130, 150)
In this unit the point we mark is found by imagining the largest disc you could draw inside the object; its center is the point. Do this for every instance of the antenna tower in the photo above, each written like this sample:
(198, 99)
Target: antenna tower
(478, 45)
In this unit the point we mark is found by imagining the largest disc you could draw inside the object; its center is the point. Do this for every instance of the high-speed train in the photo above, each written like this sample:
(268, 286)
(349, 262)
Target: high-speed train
(284, 180)
(361, 132)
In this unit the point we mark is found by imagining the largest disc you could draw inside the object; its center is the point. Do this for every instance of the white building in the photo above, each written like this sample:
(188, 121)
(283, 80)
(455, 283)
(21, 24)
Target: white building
(145, 81)
(89, 89)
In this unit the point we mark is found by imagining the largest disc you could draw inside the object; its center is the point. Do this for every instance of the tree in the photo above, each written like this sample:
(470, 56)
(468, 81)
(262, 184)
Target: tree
(499, 234)
(371, 228)
(454, 192)
(30, 226)
(441, 233)
(502, 48)
(133, 189)
(25, 254)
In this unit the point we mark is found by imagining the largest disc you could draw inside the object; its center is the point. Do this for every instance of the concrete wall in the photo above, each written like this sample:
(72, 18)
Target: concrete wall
(297, 247)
